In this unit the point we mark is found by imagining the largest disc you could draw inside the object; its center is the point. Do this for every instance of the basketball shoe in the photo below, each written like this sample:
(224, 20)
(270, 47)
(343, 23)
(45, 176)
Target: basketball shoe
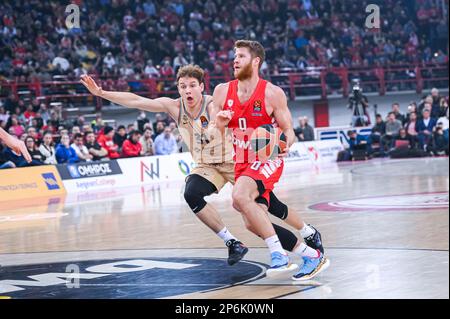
(236, 251)
(314, 241)
(280, 264)
(311, 267)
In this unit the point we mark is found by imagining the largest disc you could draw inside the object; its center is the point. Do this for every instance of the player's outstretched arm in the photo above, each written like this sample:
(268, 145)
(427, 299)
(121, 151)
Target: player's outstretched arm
(277, 98)
(16, 145)
(131, 100)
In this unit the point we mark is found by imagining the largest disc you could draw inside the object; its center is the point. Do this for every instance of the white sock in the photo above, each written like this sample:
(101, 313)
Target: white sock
(306, 251)
(307, 231)
(226, 235)
(274, 244)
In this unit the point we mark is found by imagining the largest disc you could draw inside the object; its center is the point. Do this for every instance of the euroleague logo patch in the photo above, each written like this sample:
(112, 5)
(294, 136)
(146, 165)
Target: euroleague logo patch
(405, 202)
(125, 278)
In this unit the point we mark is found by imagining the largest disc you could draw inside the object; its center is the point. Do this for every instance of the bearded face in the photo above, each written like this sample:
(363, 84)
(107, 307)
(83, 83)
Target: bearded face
(244, 73)
(243, 68)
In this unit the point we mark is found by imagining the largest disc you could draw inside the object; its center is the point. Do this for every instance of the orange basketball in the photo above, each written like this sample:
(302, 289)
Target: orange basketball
(267, 142)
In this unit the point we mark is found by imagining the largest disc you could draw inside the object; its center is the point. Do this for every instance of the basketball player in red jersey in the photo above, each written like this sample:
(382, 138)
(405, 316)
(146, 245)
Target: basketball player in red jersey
(215, 166)
(249, 102)
(16, 145)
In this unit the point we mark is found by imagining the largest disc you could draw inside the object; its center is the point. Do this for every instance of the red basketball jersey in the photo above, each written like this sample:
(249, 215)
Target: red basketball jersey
(246, 118)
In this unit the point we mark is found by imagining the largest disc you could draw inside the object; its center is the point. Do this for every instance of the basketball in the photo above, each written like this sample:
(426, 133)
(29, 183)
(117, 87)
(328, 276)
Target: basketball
(267, 142)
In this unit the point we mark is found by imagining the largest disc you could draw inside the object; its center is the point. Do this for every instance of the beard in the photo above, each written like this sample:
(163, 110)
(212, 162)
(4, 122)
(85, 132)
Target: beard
(245, 73)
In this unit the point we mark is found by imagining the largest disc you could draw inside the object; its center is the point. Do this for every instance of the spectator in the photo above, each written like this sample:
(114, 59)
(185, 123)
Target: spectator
(141, 121)
(356, 142)
(179, 61)
(159, 128)
(31, 131)
(411, 129)
(47, 149)
(440, 143)
(399, 116)
(64, 153)
(151, 71)
(167, 71)
(443, 107)
(106, 141)
(17, 128)
(132, 146)
(4, 161)
(393, 127)
(80, 149)
(3, 116)
(304, 132)
(120, 136)
(425, 128)
(402, 140)
(165, 143)
(147, 143)
(29, 113)
(435, 103)
(378, 131)
(98, 153)
(109, 60)
(38, 158)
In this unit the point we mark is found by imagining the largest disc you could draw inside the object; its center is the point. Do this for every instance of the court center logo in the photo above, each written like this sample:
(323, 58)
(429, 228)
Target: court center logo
(125, 278)
(405, 202)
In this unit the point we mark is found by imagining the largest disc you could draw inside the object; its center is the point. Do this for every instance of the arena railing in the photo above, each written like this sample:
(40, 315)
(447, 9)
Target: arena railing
(312, 82)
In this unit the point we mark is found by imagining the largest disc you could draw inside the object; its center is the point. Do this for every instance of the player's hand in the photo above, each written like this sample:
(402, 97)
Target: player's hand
(90, 84)
(285, 153)
(223, 118)
(18, 147)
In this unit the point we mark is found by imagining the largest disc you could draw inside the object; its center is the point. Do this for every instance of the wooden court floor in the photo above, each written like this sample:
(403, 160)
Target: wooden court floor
(384, 223)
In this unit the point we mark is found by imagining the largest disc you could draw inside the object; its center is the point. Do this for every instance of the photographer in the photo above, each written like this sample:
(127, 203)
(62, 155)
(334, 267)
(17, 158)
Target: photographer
(360, 116)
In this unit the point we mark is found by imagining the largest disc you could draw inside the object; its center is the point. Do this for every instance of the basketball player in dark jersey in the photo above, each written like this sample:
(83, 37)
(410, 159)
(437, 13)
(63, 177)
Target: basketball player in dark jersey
(249, 102)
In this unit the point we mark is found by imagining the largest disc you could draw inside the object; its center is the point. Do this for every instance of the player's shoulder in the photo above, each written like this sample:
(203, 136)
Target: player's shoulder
(221, 88)
(274, 91)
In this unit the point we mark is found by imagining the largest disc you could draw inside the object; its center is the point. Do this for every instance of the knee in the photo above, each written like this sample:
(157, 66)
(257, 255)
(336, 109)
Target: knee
(239, 200)
(195, 200)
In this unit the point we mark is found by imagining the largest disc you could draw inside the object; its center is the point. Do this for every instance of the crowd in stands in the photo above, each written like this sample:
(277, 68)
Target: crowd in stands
(422, 131)
(136, 39)
(51, 140)
(130, 40)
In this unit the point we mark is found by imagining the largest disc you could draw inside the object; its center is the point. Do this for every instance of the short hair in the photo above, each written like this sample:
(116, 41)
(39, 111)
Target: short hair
(121, 127)
(191, 71)
(77, 136)
(256, 49)
(135, 132)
